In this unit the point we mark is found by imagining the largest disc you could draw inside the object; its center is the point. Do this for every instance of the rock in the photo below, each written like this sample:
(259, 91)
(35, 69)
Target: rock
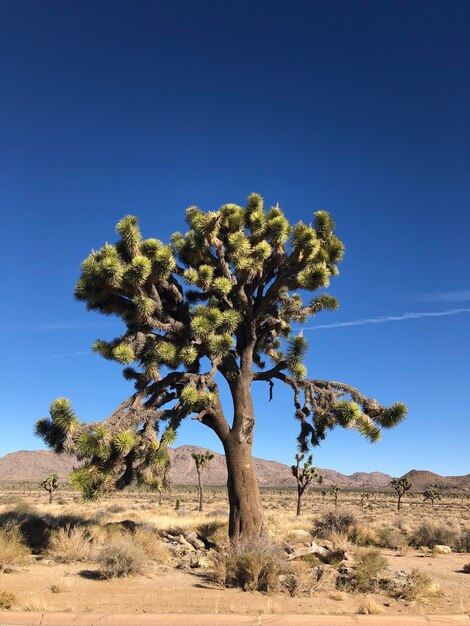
(314, 548)
(441, 549)
(300, 536)
(194, 540)
(200, 562)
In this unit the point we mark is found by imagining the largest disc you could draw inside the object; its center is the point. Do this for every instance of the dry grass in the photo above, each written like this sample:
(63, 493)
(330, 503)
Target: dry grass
(419, 587)
(13, 552)
(7, 600)
(122, 556)
(370, 607)
(70, 545)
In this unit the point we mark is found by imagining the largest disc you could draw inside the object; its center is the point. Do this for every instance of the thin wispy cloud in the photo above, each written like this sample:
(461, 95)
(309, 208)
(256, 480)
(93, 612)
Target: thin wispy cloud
(389, 318)
(446, 296)
(12, 326)
(59, 355)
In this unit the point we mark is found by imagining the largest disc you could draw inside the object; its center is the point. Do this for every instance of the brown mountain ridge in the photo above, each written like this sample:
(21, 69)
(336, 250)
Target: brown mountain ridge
(35, 465)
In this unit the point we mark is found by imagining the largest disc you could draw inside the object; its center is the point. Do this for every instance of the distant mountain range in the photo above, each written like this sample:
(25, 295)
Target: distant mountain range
(35, 465)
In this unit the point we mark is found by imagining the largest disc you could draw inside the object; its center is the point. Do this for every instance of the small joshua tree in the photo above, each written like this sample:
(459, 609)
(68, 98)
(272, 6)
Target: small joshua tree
(201, 459)
(401, 486)
(50, 484)
(323, 494)
(304, 476)
(431, 494)
(335, 489)
(365, 495)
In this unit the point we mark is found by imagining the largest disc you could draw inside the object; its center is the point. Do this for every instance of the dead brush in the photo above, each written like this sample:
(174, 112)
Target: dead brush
(7, 599)
(418, 587)
(431, 533)
(70, 545)
(250, 570)
(299, 580)
(13, 551)
(121, 556)
(333, 521)
(369, 562)
(151, 544)
(363, 536)
(370, 607)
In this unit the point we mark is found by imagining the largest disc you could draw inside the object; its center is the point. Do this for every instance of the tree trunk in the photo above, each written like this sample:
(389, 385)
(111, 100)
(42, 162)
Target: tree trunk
(246, 520)
(201, 494)
(299, 503)
(336, 500)
(50, 496)
(399, 502)
(160, 497)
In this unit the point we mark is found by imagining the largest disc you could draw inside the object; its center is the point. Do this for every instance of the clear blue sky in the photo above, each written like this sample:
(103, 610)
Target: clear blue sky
(358, 107)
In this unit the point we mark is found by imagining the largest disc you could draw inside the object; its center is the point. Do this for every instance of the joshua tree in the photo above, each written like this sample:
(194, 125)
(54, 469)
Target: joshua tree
(335, 489)
(431, 493)
(304, 476)
(365, 495)
(201, 459)
(323, 494)
(50, 484)
(401, 486)
(207, 309)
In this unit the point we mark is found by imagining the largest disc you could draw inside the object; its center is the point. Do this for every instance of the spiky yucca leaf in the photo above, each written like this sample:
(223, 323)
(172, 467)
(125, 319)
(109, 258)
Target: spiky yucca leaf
(124, 442)
(201, 326)
(167, 353)
(232, 217)
(164, 262)
(324, 225)
(188, 355)
(219, 345)
(189, 395)
(222, 285)
(88, 481)
(63, 415)
(346, 413)
(314, 277)
(151, 247)
(103, 348)
(296, 349)
(128, 229)
(230, 320)
(366, 427)
(124, 354)
(144, 307)
(204, 276)
(190, 276)
(305, 238)
(138, 271)
(277, 228)
(298, 370)
(169, 437)
(393, 415)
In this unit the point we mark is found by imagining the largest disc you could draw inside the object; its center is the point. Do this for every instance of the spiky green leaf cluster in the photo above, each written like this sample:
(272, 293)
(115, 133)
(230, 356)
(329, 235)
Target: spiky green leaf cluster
(62, 422)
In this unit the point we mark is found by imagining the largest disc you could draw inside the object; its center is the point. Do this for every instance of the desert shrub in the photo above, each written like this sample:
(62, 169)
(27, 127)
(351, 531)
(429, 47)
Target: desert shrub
(429, 534)
(466, 568)
(121, 556)
(369, 562)
(60, 587)
(363, 536)
(33, 528)
(215, 532)
(391, 538)
(462, 541)
(370, 607)
(116, 508)
(151, 544)
(333, 521)
(418, 586)
(250, 570)
(298, 580)
(69, 545)
(12, 548)
(7, 599)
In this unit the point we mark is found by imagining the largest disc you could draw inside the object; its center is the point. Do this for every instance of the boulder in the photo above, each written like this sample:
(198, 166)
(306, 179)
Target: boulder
(441, 549)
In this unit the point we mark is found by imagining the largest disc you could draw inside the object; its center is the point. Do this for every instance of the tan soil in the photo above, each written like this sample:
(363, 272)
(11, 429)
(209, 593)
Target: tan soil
(166, 590)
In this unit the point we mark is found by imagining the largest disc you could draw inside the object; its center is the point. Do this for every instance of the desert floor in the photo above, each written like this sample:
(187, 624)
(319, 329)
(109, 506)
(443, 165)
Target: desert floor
(168, 585)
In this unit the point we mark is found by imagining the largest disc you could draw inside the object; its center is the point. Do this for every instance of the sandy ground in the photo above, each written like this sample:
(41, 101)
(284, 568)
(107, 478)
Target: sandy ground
(168, 590)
